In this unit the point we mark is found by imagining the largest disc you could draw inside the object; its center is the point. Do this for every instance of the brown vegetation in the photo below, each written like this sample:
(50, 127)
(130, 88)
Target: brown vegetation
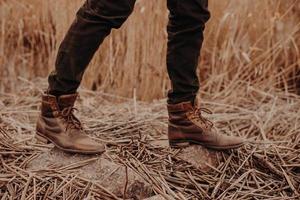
(135, 134)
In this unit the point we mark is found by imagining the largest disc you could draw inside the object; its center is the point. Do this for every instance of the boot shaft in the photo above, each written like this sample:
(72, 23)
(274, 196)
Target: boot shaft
(52, 105)
(178, 112)
(181, 107)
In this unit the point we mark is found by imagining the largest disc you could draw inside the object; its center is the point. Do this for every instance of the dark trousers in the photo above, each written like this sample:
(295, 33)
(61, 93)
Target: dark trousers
(94, 22)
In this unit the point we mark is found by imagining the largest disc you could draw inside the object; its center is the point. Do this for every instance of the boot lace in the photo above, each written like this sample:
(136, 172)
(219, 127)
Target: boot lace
(69, 117)
(197, 115)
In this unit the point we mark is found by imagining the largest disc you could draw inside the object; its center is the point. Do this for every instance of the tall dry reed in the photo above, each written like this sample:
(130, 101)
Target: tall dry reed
(253, 42)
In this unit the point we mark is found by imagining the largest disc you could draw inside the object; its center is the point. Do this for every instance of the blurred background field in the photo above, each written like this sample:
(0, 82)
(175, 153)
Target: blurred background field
(254, 42)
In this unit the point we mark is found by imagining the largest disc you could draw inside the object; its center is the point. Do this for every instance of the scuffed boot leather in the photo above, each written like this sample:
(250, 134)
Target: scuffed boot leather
(188, 126)
(58, 124)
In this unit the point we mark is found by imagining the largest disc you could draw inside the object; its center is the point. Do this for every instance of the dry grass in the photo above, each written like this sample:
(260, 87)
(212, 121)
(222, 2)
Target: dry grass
(266, 168)
(253, 41)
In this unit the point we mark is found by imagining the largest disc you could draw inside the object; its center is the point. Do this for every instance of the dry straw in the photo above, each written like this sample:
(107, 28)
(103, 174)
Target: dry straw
(268, 167)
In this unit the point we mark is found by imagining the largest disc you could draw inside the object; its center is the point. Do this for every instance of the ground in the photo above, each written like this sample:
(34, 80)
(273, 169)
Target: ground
(139, 164)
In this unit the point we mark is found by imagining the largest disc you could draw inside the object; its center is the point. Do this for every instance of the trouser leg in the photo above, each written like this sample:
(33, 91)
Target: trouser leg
(185, 36)
(93, 23)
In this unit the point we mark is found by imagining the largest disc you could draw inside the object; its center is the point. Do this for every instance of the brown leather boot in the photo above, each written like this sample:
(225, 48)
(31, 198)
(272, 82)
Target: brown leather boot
(188, 126)
(58, 124)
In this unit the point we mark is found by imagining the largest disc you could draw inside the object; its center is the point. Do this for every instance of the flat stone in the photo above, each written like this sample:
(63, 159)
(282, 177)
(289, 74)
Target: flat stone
(200, 157)
(156, 197)
(164, 143)
(108, 174)
(197, 155)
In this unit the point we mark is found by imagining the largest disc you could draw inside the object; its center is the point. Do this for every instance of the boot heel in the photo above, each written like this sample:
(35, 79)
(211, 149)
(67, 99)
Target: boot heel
(178, 144)
(42, 139)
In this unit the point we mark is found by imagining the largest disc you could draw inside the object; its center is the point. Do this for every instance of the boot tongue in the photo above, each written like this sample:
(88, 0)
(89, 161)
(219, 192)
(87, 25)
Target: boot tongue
(66, 101)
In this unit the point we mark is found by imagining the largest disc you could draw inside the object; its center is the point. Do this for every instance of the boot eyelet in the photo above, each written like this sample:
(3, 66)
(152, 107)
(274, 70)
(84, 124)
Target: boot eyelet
(55, 113)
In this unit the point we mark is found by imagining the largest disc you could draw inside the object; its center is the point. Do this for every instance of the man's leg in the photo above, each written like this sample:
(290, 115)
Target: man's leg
(57, 123)
(185, 30)
(186, 124)
(93, 23)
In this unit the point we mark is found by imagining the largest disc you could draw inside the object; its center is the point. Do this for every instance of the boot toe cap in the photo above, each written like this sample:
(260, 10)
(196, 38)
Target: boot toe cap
(232, 141)
(90, 146)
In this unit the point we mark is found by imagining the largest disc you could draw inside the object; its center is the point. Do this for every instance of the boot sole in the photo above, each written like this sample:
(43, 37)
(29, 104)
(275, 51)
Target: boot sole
(186, 143)
(46, 140)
